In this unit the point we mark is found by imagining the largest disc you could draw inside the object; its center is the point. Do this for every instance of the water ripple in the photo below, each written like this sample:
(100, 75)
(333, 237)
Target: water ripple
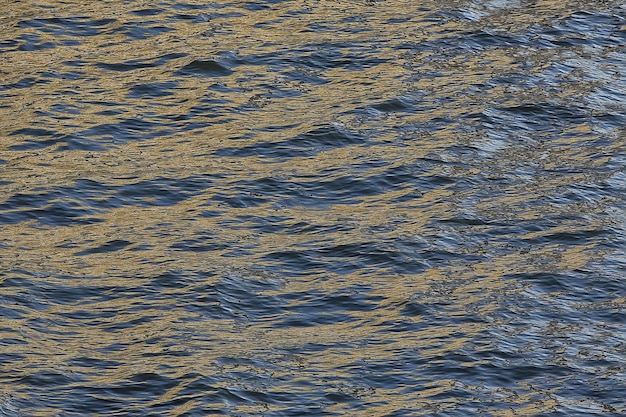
(312, 208)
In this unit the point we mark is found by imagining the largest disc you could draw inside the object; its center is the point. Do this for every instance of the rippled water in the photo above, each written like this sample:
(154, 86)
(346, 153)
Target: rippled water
(311, 207)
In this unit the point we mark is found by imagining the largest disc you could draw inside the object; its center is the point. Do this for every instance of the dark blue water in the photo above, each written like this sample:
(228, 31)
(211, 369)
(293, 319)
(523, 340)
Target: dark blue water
(294, 208)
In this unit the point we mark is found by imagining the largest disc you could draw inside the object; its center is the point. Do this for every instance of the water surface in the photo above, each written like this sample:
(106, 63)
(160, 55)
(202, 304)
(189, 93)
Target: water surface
(310, 207)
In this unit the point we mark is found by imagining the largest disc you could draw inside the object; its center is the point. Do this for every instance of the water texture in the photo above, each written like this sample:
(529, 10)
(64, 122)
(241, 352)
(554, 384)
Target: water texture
(312, 207)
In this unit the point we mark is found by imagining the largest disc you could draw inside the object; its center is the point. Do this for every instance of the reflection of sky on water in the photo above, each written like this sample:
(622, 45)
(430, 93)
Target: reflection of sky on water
(310, 207)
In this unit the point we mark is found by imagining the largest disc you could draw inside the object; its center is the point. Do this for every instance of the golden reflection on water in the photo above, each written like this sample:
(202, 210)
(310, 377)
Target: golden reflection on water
(89, 90)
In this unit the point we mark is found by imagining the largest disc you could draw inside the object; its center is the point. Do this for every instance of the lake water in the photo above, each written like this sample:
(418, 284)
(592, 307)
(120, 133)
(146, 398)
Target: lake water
(312, 207)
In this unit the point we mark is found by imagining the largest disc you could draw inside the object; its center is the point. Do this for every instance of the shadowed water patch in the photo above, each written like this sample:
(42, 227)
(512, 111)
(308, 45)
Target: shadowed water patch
(204, 68)
(307, 144)
(112, 246)
(140, 63)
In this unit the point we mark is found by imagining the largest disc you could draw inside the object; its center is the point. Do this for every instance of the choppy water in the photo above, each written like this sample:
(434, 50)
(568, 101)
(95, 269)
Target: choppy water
(310, 207)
